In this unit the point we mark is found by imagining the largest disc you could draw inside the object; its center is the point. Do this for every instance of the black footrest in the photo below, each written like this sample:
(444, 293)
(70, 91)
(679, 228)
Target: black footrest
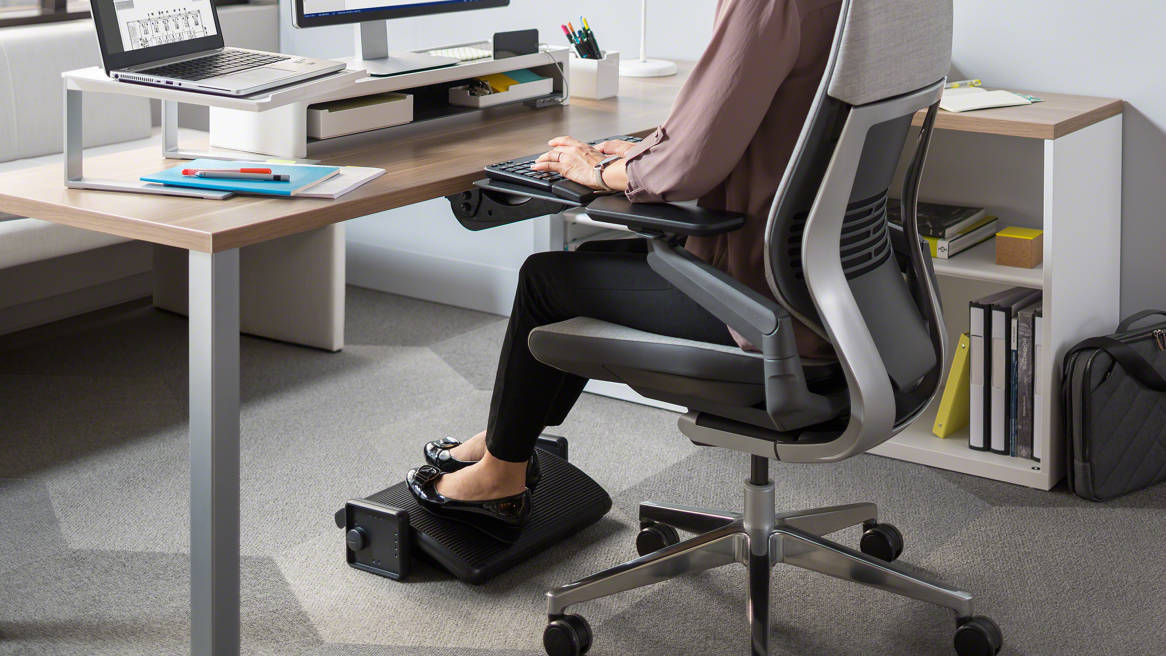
(391, 528)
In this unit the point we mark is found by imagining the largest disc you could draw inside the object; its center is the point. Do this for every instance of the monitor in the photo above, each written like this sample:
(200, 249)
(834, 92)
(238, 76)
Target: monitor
(372, 30)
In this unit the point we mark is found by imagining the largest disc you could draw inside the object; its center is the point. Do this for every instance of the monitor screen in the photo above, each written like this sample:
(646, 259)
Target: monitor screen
(312, 13)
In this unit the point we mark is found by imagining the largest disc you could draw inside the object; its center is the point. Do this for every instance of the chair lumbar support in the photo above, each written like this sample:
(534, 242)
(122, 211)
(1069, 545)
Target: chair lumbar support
(760, 538)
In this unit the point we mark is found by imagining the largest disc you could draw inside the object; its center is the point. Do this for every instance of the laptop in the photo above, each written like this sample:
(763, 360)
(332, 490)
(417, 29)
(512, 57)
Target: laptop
(178, 43)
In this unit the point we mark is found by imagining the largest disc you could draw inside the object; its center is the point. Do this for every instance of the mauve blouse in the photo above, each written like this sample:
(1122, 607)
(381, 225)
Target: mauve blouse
(734, 125)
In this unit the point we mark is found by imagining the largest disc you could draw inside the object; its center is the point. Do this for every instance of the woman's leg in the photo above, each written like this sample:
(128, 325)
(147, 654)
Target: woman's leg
(604, 283)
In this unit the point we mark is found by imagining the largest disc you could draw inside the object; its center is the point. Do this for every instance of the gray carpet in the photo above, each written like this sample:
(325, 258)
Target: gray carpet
(93, 512)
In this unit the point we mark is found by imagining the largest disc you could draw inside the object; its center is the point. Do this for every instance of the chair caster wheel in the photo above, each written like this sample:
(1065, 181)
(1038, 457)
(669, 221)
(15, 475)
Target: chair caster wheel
(883, 541)
(567, 635)
(978, 636)
(654, 536)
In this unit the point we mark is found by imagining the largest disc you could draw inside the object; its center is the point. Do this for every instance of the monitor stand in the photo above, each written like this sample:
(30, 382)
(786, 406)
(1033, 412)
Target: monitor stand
(372, 53)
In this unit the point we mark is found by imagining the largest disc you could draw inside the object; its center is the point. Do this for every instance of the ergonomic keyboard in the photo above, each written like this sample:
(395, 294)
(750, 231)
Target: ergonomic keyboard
(518, 171)
(220, 63)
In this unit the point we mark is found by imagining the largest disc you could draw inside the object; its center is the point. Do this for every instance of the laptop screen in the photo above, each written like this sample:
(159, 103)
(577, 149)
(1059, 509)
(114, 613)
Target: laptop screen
(141, 31)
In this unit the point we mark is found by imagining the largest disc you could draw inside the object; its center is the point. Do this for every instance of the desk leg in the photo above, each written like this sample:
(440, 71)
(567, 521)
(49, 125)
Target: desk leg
(214, 453)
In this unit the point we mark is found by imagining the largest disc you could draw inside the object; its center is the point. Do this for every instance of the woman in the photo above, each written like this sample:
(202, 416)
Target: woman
(726, 143)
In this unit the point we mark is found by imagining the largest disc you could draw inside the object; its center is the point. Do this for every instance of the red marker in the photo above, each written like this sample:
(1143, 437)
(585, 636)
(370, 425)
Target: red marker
(197, 171)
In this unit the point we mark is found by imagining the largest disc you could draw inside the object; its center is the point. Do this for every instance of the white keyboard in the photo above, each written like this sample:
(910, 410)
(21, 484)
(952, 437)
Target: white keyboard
(465, 53)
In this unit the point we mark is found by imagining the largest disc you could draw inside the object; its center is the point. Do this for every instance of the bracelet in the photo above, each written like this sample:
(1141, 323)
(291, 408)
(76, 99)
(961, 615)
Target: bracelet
(599, 169)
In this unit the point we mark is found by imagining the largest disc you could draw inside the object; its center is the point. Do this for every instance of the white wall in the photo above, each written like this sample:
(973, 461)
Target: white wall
(1090, 47)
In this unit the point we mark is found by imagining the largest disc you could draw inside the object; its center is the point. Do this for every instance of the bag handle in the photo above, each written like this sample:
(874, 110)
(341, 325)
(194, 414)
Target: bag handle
(1128, 358)
(1134, 318)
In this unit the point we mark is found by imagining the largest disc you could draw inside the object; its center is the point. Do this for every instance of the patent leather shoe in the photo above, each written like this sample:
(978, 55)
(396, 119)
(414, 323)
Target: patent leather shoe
(501, 518)
(437, 453)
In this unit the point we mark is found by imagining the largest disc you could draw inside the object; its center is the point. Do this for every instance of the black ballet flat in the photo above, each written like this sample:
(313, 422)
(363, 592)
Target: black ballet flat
(501, 519)
(437, 453)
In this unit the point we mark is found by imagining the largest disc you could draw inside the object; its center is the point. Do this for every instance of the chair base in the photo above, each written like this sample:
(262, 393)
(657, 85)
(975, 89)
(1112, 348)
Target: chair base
(759, 539)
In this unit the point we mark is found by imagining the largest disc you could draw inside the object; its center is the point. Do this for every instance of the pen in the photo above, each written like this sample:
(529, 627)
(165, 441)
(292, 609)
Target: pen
(235, 175)
(245, 170)
(591, 38)
(573, 41)
(961, 84)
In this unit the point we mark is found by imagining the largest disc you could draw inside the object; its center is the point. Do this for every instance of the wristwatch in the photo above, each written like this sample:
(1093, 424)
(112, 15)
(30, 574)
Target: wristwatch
(599, 171)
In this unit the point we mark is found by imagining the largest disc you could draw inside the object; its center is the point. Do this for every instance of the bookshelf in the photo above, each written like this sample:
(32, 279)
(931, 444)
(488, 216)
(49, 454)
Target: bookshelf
(1056, 166)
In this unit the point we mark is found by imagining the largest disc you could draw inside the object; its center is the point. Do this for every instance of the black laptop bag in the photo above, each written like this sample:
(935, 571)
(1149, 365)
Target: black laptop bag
(1114, 400)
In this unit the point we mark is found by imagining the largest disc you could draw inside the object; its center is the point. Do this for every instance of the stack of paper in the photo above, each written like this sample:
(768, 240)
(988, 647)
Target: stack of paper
(966, 99)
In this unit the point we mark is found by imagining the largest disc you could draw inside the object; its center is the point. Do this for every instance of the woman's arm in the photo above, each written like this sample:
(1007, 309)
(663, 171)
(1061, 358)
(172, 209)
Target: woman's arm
(754, 47)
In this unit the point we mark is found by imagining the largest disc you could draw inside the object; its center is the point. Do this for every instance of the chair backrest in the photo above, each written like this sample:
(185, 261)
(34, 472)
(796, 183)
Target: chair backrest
(830, 256)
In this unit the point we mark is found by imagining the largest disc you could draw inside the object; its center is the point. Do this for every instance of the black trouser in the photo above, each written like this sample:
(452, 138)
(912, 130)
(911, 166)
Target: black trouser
(606, 280)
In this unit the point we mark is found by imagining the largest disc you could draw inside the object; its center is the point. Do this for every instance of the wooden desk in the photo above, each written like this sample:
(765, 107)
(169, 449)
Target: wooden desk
(422, 162)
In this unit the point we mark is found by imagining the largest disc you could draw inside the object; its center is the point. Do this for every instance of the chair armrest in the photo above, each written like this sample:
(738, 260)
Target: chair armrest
(664, 218)
(754, 316)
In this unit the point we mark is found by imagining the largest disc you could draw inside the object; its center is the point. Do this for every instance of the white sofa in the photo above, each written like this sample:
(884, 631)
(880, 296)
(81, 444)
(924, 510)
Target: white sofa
(48, 271)
(290, 289)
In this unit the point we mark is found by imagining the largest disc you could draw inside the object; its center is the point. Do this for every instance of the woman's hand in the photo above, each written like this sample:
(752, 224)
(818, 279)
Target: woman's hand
(572, 159)
(617, 147)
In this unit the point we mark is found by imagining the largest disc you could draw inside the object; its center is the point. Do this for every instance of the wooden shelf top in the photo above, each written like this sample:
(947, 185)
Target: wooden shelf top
(1058, 115)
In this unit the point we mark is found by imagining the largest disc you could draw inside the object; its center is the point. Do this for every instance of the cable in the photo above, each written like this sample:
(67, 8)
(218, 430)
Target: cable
(545, 48)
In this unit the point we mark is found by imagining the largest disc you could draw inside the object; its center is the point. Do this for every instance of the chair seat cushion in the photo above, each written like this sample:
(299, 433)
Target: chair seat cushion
(593, 349)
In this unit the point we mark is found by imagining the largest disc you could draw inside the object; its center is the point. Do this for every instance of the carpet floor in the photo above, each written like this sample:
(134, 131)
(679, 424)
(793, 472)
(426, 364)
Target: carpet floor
(94, 504)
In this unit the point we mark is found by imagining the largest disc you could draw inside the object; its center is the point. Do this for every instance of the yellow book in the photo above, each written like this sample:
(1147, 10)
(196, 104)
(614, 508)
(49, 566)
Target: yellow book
(953, 405)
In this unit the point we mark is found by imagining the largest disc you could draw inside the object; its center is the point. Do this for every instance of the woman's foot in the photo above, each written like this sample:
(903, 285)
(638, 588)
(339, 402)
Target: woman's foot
(472, 449)
(489, 478)
(443, 454)
(492, 506)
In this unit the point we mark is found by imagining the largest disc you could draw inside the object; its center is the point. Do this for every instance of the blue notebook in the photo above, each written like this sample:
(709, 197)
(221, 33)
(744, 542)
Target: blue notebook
(303, 177)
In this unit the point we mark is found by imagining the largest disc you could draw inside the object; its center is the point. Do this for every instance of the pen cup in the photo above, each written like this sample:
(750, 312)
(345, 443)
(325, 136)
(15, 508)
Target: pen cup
(595, 78)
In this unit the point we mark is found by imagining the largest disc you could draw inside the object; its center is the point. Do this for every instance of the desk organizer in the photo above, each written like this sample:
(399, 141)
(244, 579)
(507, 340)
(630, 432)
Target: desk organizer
(283, 132)
(596, 79)
(460, 95)
(352, 115)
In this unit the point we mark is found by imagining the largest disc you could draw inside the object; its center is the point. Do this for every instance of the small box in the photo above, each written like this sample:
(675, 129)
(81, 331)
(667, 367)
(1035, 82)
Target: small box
(460, 95)
(361, 114)
(1019, 247)
(595, 78)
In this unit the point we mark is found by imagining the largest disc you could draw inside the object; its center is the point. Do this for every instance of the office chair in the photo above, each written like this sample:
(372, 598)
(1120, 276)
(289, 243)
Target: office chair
(832, 262)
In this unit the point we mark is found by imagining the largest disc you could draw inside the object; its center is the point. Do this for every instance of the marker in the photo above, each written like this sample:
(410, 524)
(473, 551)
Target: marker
(197, 171)
(962, 84)
(236, 175)
(591, 38)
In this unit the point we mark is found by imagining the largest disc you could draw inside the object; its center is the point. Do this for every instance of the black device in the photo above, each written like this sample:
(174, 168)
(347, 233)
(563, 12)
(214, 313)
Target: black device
(387, 531)
(518, 171)
(513, 44)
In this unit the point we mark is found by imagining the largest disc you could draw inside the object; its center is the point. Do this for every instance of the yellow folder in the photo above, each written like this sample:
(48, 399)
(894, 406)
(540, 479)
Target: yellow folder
(953, 405)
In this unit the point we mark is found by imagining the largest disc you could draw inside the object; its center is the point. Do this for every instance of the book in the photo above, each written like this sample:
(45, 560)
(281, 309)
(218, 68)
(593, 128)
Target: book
(1040, 372)
(980, 370)
(946, 248)
(1003, 310)
(303, 177)
(939, 220)
(348, 178)
(953, 405)
(1025, 359)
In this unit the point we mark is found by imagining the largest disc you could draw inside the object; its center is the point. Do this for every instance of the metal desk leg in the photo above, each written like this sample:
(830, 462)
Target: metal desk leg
(214, 453)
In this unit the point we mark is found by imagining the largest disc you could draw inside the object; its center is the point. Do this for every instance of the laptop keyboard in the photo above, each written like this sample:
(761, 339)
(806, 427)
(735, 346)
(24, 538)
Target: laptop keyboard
(221, 63)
